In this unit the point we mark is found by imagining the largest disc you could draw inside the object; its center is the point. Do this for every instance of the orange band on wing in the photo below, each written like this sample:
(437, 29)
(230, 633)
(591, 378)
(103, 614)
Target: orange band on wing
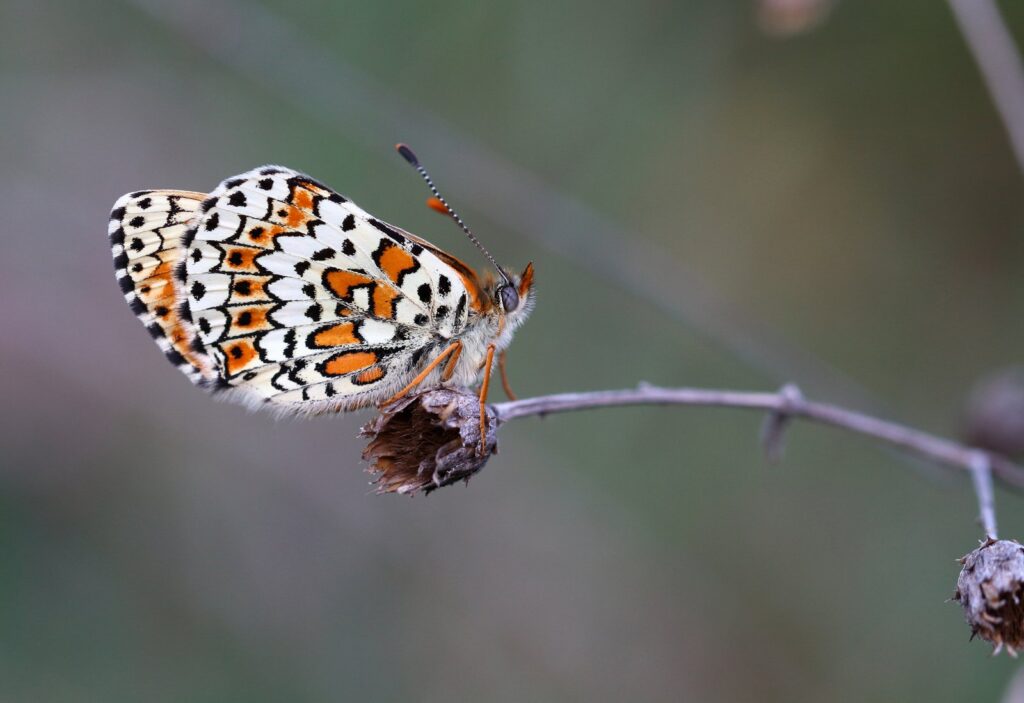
(251, 319)
(349, 362)
(394, 261)
(303, 199)
(341, 283)
(384, 302)
(374, 373)
(240, 259)
(336, 335)
(238, 354)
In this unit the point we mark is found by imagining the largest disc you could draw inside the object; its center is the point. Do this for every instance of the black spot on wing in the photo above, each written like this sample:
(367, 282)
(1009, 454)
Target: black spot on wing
(461, 307)
(137, 306)
(175, 357)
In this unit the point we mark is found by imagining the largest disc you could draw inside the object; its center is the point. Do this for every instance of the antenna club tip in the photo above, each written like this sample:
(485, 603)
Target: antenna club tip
(407, 153)
(436, 205)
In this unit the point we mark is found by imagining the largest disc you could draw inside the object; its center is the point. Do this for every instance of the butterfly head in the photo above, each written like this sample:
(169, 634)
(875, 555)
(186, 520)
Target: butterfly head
(513, 294)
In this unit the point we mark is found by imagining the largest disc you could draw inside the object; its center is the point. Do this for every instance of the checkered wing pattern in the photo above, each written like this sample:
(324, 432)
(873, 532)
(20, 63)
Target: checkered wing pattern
(281, 291)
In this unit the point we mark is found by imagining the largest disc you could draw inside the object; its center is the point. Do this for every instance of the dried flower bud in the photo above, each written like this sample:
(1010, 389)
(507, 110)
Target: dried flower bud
(991, 590)
(428, 440)
(995, 412)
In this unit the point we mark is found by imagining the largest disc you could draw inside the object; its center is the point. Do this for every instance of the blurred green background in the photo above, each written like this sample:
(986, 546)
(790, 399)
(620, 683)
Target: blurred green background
(707, 203)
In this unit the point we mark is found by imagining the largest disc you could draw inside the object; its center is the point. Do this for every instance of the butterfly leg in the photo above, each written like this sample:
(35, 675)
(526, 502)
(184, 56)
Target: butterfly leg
(483, 398)
(449, 368)
(504, 377)
(450, 349)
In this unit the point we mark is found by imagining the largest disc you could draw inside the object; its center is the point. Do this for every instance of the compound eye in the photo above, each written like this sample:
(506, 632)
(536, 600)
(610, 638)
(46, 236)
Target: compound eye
(509, 297)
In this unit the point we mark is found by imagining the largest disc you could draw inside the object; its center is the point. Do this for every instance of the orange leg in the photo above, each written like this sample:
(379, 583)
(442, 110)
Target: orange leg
(504, 377)
(424, 373)
(449, 368)
(483, 399)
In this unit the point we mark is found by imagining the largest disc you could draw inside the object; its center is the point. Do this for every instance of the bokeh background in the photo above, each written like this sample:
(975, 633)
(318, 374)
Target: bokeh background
(710, 199)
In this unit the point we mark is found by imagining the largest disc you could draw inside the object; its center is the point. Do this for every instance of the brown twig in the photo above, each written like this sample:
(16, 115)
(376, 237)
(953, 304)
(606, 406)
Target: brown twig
(993, 48)
(790, 404)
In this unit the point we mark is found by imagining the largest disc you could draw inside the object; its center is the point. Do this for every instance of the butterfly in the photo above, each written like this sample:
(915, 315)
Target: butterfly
(275, 291)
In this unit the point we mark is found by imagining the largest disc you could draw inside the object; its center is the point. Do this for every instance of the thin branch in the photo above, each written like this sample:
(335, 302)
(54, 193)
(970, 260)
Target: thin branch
(996, 54)
(981, 473)
(788, 404)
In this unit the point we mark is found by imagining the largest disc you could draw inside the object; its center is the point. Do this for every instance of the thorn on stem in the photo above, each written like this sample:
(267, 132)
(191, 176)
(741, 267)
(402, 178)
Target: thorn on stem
(773, 431)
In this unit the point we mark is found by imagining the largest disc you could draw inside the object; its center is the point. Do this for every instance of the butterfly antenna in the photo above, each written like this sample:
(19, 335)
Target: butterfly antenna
(409, 156)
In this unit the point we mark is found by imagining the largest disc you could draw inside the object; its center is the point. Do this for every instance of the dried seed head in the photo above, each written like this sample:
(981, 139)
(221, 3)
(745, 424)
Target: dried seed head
(995, 412)
(991, 590)
(428, 440)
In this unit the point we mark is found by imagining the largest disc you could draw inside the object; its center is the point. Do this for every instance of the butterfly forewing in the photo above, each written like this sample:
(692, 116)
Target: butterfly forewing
(147, 230)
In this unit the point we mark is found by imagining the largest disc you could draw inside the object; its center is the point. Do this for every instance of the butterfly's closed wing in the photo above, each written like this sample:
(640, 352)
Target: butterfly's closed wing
(303, 299)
